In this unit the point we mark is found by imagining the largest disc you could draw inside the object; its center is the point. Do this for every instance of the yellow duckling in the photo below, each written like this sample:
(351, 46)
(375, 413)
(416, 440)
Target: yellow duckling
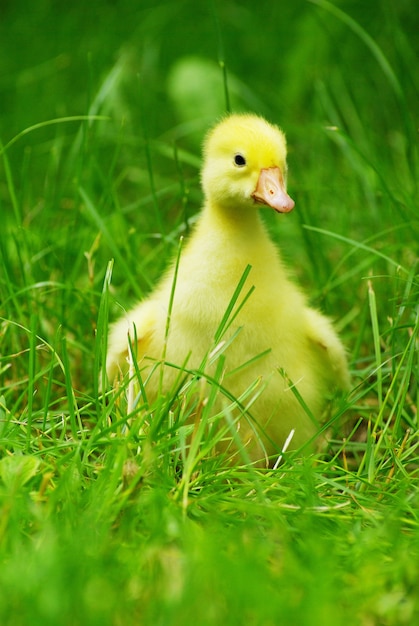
(271, 337)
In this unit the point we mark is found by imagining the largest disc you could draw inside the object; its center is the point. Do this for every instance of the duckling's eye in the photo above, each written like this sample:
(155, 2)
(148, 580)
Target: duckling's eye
(239, 160)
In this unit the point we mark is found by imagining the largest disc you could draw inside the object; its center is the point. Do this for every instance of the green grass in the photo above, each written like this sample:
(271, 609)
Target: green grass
(109, 513)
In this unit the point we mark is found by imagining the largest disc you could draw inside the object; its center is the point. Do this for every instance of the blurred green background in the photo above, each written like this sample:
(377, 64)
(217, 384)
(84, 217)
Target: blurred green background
(55, 57)
(154, 65)
(103, 107)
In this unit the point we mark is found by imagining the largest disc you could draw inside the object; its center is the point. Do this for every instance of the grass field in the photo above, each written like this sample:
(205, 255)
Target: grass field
(106, 515)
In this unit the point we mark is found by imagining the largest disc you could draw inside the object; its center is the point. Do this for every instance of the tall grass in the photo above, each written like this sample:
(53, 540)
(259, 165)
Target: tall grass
(114, 510)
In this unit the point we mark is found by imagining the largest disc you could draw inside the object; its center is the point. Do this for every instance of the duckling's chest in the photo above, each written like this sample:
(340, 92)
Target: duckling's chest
(223, 274)
(226, 274)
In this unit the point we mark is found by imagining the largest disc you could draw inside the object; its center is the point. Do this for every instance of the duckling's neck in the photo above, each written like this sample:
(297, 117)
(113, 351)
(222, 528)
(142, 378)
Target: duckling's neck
(232, 221)
(234, 236)
(233, 239)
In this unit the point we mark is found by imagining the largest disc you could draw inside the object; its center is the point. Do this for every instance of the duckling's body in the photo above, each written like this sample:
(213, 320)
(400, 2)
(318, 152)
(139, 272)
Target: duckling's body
(295, 344)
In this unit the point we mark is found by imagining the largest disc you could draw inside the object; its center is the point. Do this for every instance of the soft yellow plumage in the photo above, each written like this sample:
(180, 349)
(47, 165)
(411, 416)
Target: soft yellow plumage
(244, 169)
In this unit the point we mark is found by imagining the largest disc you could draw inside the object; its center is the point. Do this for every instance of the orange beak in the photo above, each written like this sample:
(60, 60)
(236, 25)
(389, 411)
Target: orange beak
(270, 190)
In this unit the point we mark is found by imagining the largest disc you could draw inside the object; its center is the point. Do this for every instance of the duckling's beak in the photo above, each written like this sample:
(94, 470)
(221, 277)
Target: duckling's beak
(270, 190)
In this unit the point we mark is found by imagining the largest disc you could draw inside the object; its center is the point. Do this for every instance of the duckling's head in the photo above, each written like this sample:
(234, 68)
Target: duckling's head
(245, 164)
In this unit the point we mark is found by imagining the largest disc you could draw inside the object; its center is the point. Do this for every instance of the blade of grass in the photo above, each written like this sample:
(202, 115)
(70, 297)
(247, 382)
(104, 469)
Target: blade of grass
(170, 307)
(110, 240)
(377, 348)
(358, 245)
(400, 381)
(228, 317)
(31, 375)
(368, 41)
(99, 370)
(157, 212)
(58, 120)
(11, 185)
(75, 420)
(221, 56)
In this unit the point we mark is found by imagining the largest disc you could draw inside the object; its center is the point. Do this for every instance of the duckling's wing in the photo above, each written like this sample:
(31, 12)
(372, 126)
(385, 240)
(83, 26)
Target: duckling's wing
(329, 348)
(133, 332)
